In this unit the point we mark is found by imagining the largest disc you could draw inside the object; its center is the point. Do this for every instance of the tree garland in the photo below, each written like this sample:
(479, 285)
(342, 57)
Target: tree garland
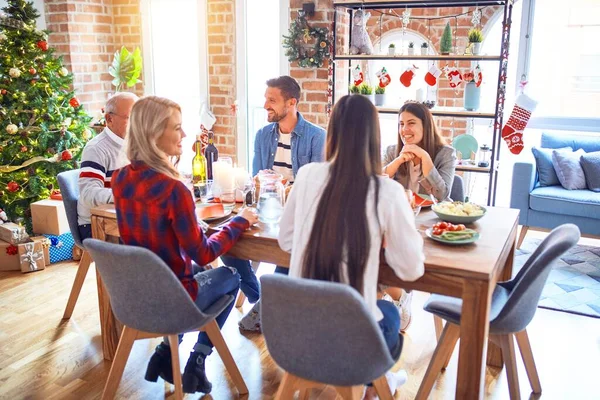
(298, 43)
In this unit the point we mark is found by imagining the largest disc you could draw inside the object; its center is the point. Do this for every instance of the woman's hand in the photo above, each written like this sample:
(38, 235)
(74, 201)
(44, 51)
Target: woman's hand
(422, 155)
(249, 214)
(405, 157)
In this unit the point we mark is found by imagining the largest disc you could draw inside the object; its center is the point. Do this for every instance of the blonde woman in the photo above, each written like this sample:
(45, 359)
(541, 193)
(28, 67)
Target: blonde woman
(155, 210)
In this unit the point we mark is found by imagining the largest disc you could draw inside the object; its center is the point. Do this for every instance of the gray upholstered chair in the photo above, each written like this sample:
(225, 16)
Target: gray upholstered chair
(149, 300)
(69, 189)
(513, 306)
(457, 193)
(318, 338)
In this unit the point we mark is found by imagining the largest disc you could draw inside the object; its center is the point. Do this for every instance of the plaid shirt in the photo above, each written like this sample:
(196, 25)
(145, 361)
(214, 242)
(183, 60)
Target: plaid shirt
(158, 212)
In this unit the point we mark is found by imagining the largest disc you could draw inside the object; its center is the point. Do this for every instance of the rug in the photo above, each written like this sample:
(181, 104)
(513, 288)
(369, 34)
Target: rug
(574, 282)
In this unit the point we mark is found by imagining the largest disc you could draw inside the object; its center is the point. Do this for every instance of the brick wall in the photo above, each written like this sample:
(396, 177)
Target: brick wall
(221, 73)
(87, 33)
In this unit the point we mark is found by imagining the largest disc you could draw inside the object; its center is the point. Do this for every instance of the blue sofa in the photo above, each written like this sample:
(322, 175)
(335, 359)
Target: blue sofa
(546, 207)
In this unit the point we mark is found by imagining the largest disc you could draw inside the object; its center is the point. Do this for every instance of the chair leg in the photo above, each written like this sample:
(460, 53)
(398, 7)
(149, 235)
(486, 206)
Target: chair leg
(527, 355)
(442, 352)
(351, 392)
(241, 297)
(304, 394)
(174, 345)
(286, 387)
(118, 365)
(215, 336)
(507, 345)
(82, 269)
(382, 388)
(439, 325)
(524, 230)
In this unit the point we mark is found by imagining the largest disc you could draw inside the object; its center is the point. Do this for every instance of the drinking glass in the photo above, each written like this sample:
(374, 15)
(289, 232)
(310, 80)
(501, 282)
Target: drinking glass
(203, 190)
(228, 199)
(247, 189)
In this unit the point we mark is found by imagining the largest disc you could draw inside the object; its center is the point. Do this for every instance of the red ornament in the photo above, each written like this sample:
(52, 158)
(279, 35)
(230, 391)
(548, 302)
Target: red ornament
(3, 91)
(12, 250)
(12, 186)
(66, 155)
(32, 71)
(33, 82)
(74, 102)
(24, 149)
(43, 45)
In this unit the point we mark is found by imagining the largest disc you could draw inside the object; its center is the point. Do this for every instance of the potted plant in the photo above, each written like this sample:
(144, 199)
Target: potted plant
(446, 42)
(367, 91)
(411, 48)
(379, 96)
(126, 68)
(424, 48)
(354, 89)
(475, 39)
(392, 49)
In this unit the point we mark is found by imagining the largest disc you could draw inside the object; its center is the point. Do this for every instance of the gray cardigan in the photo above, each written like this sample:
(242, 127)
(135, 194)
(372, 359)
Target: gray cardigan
(439, 181)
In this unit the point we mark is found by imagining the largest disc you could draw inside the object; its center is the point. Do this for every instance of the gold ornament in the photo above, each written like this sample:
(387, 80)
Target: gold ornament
(11, 129)
(306, 35)
(14, 73)
(323, 45)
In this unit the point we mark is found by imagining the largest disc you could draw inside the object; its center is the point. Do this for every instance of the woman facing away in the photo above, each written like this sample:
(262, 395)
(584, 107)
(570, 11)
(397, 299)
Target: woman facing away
(342, 244)
(155, 210)
(422, 163)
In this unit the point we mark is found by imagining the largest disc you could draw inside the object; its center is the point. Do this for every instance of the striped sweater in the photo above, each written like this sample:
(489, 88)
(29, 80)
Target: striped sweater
(101, 157)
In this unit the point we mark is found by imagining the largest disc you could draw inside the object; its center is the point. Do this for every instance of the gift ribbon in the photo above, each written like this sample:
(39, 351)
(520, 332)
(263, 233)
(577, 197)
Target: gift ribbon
(31, 256)
(53, 159)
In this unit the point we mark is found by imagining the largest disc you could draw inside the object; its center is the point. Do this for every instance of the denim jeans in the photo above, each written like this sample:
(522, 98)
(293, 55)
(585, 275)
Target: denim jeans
(85, 231)
(212, 285)
(390, 324)
(249, 283)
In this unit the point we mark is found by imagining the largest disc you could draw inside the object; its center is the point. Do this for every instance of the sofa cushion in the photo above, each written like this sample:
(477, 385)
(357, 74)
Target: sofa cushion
(568, 169)
(575, 140)
(558, 200)
(590, 163)
(543, 164)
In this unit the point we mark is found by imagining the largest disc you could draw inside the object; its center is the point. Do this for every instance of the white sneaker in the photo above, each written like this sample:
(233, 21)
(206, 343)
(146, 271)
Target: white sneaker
(394, 380)
(404, 308)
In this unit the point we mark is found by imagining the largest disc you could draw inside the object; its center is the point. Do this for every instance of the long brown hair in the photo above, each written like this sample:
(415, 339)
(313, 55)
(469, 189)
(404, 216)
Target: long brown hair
(341, 229)
(432, 141)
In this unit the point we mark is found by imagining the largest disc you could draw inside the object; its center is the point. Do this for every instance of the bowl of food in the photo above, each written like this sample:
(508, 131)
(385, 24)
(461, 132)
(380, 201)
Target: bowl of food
(458, 212)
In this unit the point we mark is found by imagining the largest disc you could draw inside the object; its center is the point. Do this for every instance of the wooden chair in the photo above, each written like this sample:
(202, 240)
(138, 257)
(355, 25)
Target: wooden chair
(326, 336)
(514, 304)
(148, 299)
(69, 188)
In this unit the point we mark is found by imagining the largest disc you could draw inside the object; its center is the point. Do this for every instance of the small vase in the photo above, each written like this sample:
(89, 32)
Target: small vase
(379, 100)
(476, 49)
(391, 51)
(424, 51)
(411, 51)
(472, 96)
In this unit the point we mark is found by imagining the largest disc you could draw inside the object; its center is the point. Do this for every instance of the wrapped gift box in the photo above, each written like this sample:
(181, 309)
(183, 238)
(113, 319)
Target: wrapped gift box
(45, 247)
(61, 247)
(9, 257)
(31, 256)
(13, 233)
(49, 217)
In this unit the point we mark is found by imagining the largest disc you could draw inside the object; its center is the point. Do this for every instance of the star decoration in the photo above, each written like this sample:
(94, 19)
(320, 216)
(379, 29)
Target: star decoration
(476, 20)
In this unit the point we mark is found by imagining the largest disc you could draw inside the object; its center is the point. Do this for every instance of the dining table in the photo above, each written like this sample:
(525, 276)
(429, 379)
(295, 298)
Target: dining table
(467, 271)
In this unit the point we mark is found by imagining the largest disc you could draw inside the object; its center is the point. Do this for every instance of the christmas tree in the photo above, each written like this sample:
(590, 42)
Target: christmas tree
(446, 42)
(43, 128)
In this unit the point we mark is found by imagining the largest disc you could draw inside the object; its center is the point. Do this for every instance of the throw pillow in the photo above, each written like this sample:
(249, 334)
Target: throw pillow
(568, 169)
(545, 168)
(590, 163)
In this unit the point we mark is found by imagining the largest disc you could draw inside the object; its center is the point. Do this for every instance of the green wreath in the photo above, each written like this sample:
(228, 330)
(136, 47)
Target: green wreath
(297, 44)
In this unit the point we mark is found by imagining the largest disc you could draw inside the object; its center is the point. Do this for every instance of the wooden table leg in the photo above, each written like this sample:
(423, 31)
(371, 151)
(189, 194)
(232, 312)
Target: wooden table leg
(494, 353)
(474, 327)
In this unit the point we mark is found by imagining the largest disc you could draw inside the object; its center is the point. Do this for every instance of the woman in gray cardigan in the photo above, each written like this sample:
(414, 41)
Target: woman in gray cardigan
(423, 163)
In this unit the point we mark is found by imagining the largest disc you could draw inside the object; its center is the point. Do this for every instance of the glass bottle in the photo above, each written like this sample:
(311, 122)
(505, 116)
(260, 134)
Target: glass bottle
(198, 163)
(212, 154)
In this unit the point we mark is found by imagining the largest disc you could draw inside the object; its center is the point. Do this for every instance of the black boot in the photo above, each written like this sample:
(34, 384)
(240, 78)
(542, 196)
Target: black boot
(160, 365)
(194, 376)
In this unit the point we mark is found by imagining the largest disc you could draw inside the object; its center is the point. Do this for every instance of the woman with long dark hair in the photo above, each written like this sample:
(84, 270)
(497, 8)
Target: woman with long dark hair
(422, 163)
(339, 211)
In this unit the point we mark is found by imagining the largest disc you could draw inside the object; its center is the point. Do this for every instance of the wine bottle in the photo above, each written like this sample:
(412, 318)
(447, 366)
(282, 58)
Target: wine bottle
(211, 154)
(199, 164)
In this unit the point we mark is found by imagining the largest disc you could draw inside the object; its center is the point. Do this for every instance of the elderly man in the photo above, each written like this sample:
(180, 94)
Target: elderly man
(101, 157)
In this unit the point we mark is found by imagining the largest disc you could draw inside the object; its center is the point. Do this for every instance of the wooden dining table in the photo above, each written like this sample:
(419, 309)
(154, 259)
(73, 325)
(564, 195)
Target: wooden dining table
(466, 271)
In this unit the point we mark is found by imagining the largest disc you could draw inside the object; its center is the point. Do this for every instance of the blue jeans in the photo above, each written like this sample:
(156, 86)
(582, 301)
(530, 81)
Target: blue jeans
(212, 285)
(85, 231)
(390, 324)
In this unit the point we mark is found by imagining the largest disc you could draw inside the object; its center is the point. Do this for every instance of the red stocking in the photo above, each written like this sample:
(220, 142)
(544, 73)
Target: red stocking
(512, 133)
(432, 75)
(358, 76)
(407, 76)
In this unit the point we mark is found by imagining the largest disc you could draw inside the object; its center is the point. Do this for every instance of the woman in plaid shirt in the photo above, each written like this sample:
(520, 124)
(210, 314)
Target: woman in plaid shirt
(155, 210)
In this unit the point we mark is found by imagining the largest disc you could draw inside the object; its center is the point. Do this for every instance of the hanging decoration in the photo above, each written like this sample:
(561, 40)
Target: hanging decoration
(330, 78)
(432, 75)
(476, 20)
(358, 75)
(299, 46)
(407, 76)
(384, 77)
(360, 42)
(454, 76)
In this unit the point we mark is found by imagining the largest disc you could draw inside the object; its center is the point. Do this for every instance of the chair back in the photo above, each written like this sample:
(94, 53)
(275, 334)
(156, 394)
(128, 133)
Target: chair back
(457, 193)
(68, 182)
(525, 289)
(144, 293)
(322, 331)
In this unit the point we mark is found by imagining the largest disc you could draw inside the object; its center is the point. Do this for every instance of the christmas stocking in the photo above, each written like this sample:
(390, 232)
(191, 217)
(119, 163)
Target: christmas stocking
(512, 133)
(432, 75)
(454, 76)
(407, 76)
(358, 76)
(477, 76)
(384, 77)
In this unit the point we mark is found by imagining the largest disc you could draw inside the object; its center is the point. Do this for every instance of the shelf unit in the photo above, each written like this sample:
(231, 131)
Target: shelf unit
(456, 112)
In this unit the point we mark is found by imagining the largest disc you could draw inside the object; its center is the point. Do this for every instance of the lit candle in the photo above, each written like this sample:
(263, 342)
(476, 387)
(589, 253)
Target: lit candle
(223, 175)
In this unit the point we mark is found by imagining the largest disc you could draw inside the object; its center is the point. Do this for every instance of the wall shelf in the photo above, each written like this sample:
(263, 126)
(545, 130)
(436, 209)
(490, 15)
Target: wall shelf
(372, 4)
(472, 168)
(445, 112)
(415, 57)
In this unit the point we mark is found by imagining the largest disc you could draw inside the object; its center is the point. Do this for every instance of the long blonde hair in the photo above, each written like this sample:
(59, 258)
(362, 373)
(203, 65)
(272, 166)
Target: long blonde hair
(149, 118)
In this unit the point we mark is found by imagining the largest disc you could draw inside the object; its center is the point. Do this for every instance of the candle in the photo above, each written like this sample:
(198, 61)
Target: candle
(223, 175)
(420, 95)
(240, 177)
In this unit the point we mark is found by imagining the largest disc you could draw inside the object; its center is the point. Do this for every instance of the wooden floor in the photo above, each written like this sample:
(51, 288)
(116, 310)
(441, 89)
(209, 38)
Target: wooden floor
(42, 357)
